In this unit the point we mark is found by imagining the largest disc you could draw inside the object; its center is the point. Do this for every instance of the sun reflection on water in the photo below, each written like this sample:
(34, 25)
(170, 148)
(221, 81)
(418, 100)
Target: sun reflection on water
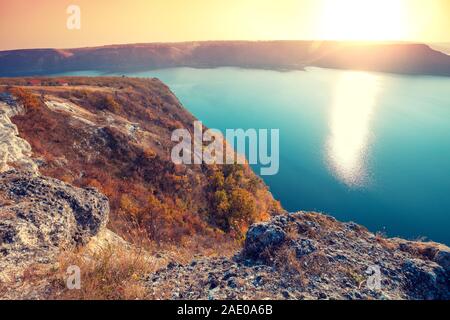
(352, 108)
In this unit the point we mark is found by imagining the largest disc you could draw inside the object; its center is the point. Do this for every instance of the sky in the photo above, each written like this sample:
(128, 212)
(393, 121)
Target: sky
(43, 23)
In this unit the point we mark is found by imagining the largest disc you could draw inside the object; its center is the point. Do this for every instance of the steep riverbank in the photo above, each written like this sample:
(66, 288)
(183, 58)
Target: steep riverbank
(99, 153)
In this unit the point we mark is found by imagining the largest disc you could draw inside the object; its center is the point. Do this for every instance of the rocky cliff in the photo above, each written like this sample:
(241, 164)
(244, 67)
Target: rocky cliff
(111, 135)
(114, 134)
(308, 255)
(81, 155)
(13, 149)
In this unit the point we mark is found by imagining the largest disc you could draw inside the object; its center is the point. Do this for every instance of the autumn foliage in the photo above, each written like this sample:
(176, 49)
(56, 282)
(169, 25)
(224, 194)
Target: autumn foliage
(26, 98)
(152, 200)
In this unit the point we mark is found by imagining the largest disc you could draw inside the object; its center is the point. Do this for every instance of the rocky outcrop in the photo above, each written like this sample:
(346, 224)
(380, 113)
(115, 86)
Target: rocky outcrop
(124, 150)
(417, 274)
(115, 134)
(443, 259)
(13, 149)
(262, 237)
(39, 216)
(313, 256)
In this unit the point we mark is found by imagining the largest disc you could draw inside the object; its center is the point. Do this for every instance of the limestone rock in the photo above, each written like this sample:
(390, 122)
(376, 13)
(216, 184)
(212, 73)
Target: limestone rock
(13, 149)
(39, 216)
(261, 237)
(329, 260)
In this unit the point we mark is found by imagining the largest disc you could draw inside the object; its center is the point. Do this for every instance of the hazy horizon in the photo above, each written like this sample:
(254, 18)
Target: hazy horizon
(439, 46)
(42, 23)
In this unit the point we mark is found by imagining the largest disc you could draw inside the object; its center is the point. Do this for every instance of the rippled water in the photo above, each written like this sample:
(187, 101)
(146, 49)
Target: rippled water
(368, 147)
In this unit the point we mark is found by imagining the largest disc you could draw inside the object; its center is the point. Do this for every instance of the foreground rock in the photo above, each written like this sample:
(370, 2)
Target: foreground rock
(312, 256)
(39, 216)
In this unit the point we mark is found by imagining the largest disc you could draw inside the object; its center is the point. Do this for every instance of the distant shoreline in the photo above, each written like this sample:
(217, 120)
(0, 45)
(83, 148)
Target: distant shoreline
(397, 58)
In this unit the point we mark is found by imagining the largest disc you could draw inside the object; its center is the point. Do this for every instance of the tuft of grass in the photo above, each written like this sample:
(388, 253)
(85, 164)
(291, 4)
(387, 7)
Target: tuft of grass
(114, 272)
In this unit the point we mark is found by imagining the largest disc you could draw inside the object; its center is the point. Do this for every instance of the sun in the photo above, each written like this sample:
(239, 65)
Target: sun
(362, 20)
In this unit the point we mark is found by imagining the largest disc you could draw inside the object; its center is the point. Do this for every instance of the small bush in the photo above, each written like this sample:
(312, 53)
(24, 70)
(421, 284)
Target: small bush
(29, 100)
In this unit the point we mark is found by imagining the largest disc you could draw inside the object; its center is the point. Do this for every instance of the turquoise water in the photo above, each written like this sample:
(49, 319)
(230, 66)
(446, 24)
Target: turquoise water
(369, 147)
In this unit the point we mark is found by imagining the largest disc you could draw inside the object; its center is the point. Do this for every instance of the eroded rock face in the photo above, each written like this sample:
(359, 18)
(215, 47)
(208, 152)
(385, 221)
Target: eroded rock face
(443, 259)
(424, 280)
(39, 216)
(13, 149)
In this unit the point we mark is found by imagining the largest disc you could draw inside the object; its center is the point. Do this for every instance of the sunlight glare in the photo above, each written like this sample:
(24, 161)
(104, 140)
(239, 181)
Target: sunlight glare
(351, 112)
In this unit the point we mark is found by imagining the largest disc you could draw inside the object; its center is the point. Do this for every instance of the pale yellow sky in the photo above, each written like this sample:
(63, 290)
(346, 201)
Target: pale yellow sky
(42, 23)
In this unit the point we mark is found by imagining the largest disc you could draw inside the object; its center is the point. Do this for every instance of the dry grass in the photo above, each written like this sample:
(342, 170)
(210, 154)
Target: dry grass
(27, 284)
(287, 262)
(4, 201)
(200, 247)
(113, 273)
(386, 243)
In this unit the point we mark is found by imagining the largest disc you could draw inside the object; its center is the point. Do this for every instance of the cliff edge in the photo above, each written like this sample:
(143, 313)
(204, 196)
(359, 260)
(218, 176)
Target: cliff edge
(82, 156)
(312, 256)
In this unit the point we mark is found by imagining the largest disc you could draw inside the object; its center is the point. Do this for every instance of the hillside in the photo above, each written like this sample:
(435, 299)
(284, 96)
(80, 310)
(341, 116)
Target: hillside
(403, 58)
(296, 256)
(86, 180)
(114, 134)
